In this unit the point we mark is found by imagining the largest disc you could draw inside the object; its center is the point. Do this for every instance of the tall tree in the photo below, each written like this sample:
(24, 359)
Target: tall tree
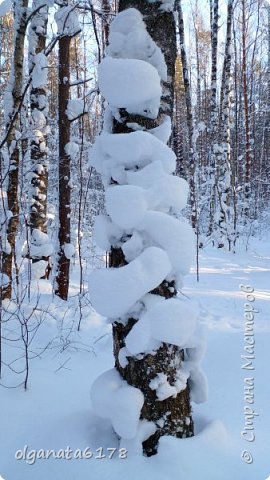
(68, 27)
(40, 248)
(190, 118)
(13, 104)
(155, 385)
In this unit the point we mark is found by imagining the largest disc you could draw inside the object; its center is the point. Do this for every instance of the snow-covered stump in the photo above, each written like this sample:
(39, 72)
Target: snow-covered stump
(156, 344)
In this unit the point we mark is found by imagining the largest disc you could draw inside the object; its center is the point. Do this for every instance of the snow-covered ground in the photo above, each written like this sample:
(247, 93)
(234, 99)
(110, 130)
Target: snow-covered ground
(55, 411)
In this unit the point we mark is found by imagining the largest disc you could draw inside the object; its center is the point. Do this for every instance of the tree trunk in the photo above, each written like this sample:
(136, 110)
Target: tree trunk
(14, 91)
(176, 412)
(39, 114)
(190, 119)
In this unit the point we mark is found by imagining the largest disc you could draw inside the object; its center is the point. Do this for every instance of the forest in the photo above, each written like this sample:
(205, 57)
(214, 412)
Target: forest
(134, 240)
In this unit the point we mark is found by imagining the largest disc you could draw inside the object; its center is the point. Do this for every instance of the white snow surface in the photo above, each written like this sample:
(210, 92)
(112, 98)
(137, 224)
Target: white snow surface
(129, 39)
(55, 410)
(166, 5)
(69, 250)
(131, 84)
(106, 233)
(114, 399)
(114, 291)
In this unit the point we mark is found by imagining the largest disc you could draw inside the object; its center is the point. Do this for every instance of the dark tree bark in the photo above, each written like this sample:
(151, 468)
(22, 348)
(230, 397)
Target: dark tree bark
(62, 279)
(176, 412)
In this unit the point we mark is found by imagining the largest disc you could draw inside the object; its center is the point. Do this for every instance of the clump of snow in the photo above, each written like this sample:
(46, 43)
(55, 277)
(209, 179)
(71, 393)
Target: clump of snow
(40, 245)
(4, 279)
(198, 385)
(131, 84)
(144, 430)
(106, 233)
(129, 39)
(175, 236)
(5, 7)
(126, 205)
(166, 5)
(114, 399)
(69, 250)
(67, 21)
(133, 246)
(113, 291)
(164, 130)
(40, 70)
(164, 389)
(38, 269)
(72, 149)
(76, 108)
(113, 154)
(172, 321)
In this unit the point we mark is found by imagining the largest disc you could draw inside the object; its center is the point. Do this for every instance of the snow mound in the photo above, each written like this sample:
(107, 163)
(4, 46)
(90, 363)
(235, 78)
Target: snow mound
(129, 39)
(114, 291)
(126, 204)
(131, 84)
(114, 399)
(113, 155)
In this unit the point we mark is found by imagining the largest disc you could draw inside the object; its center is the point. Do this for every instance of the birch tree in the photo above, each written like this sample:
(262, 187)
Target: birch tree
(13, 99)
(40, 247)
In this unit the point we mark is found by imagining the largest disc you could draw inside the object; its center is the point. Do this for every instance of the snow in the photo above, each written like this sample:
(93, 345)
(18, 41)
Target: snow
(133, 247)
(4, 279)
(114, 291)
(76, 108)
(67, 21)
(5, 7)
(131, 84)
(114, 399)
(172, 321)
(38, 269)
(69, 250)
(72, 149)
(55, 410)
(175, 236)
(112, 154)
(198, 385)
(106, 233)
(166, 5)
(40, 70)
(129, 38)
(126, 205)
(164, 130)
(40, 245)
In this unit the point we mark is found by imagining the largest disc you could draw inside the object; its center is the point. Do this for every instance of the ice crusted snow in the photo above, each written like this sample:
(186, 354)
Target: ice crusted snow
(129, 39)
(131, 84)
(114, 399)
(112, 154)
(114, 291)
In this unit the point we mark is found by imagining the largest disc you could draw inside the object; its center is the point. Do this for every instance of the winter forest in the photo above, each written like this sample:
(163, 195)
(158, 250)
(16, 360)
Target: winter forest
(135, 239)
